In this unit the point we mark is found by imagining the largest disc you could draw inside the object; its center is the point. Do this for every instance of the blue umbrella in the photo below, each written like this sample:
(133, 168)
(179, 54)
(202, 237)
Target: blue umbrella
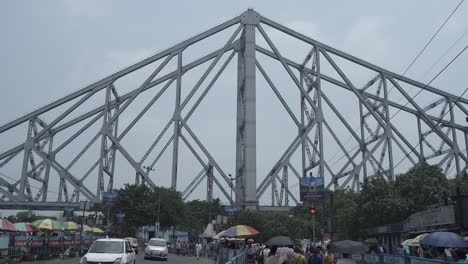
(444, 239)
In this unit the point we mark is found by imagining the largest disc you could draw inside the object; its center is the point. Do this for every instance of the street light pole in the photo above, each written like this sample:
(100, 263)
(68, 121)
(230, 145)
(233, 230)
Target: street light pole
(232, 179)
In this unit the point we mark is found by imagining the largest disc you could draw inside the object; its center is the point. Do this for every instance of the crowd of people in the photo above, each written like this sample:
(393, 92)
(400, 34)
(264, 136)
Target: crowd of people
(459, 255)
(297, 255)
(198, 249)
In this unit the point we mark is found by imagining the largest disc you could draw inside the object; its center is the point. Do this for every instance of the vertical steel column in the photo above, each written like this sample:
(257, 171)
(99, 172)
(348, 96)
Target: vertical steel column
(388, 130)
(303, 140)
(362, 143)
(103, 154)
(421, 141)
(209, 181)
(285, 184)
(247, 167)
(273, 190)
(319, 116)
(51, 156)
(175, 152)
(456, 150)
(240, 119)
(29, 144)
(115, 127)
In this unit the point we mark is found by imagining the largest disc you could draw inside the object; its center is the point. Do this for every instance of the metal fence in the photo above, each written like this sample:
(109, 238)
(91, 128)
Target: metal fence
(398, 259)
(36, 247)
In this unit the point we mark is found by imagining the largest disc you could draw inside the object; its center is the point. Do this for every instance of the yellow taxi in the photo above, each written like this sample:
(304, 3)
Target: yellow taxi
(133, 243)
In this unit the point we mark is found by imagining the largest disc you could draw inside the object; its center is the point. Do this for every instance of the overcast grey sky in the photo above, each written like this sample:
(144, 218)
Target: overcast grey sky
(51, 48)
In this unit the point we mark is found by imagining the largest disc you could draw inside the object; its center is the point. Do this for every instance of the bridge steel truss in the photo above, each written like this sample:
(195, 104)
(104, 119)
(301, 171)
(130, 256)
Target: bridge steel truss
(39, 153)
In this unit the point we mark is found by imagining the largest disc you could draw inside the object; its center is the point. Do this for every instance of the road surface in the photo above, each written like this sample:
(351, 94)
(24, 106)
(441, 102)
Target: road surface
(173, 259)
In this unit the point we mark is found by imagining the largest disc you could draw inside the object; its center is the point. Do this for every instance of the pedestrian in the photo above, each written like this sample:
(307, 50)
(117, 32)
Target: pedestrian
(285, 255)
(272, 258)
(250, 252)
(198, 248)
(315, 258)
(299, 258)
(178, 247)
(346, 260)
(329, 257)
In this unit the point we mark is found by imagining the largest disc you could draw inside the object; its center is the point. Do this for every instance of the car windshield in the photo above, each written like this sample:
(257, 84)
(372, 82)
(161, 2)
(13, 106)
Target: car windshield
(158, 243)
(107, 247)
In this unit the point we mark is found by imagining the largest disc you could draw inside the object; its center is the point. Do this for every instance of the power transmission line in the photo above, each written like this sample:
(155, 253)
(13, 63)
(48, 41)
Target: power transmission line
(409, 66)
(430, 40)
(440, 120)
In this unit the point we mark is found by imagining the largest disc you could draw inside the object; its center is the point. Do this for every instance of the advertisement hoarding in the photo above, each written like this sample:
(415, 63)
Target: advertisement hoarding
(109, 198)
(311, 189)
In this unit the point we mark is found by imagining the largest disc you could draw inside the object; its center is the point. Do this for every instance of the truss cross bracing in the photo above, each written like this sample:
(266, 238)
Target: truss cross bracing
(340, 99)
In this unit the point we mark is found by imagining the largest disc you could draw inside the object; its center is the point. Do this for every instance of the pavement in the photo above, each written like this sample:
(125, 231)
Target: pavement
(172, 259)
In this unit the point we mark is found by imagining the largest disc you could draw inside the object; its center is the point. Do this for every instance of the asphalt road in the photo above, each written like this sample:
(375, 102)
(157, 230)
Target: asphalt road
(173, 259)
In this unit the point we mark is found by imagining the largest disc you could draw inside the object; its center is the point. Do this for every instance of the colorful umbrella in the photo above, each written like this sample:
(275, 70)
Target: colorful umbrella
(6, 225)
(47, 224)
(71, 226)
(239, 231)
(24, 227)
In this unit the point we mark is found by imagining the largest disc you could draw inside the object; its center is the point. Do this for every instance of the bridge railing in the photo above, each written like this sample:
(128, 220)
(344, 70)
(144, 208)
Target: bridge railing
(397, 259)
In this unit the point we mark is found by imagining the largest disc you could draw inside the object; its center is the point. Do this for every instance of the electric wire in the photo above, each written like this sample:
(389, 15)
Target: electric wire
(409, 66)
(440, 120)
(414, 96)
(430, 40)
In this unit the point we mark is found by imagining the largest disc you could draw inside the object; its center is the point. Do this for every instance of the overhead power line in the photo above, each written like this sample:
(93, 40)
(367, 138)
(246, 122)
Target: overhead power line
(409, 66)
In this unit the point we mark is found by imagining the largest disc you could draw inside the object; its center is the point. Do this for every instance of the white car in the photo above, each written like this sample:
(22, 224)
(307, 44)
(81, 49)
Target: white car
(109, 250)
(156, 249)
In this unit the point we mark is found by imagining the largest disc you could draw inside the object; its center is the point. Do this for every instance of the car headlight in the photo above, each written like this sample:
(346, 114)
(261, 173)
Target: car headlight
(118, 261)
(83, 260)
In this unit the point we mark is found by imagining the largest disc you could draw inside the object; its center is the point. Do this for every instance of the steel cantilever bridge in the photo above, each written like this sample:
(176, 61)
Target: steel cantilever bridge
(440, 135)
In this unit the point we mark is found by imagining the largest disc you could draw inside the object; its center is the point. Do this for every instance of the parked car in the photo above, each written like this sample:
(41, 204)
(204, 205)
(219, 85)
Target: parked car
(109, 250)
(133, 243)
(156, 249)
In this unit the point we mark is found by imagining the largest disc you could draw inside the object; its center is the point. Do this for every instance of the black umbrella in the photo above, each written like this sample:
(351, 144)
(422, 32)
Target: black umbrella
(348, 247)
(444, 239)
(279, 241)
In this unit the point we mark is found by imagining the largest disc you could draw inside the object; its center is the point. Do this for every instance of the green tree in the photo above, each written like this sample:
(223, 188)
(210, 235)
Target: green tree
(199, 213)
(140, 205)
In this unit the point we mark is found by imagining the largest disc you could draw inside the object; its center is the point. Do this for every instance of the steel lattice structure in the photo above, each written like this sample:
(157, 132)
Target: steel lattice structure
(441, 137)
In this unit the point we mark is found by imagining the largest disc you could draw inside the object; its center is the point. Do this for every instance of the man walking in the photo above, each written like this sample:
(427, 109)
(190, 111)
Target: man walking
(198, 249)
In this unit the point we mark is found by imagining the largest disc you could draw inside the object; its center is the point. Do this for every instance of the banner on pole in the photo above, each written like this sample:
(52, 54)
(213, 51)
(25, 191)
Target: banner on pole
(109, 198)
(68, 212)
(311, 189)
(120, 217)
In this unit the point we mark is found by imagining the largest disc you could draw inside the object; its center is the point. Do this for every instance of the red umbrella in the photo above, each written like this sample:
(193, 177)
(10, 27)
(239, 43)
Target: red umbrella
(6, 225)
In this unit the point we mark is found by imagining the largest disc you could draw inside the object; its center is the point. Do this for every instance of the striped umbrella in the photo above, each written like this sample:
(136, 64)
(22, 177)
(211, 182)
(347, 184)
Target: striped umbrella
(97, 230)
(70, 226)
(6, 225)
(24, 227)
(47, 224)
(240, 231)
(86, 228)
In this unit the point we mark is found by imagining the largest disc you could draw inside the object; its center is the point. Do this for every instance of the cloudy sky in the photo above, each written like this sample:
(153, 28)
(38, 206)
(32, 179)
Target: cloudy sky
(50, 49)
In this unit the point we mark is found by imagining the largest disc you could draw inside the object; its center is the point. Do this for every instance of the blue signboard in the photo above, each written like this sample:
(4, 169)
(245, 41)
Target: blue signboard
(120, 217)
(68, 212)
(109, 198)
(311, 189)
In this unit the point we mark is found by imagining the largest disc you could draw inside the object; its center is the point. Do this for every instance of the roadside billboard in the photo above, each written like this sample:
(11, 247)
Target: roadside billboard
(311, 189)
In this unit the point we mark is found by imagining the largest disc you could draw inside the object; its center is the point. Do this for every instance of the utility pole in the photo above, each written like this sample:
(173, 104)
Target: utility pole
(232, 179)
(82, 224)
